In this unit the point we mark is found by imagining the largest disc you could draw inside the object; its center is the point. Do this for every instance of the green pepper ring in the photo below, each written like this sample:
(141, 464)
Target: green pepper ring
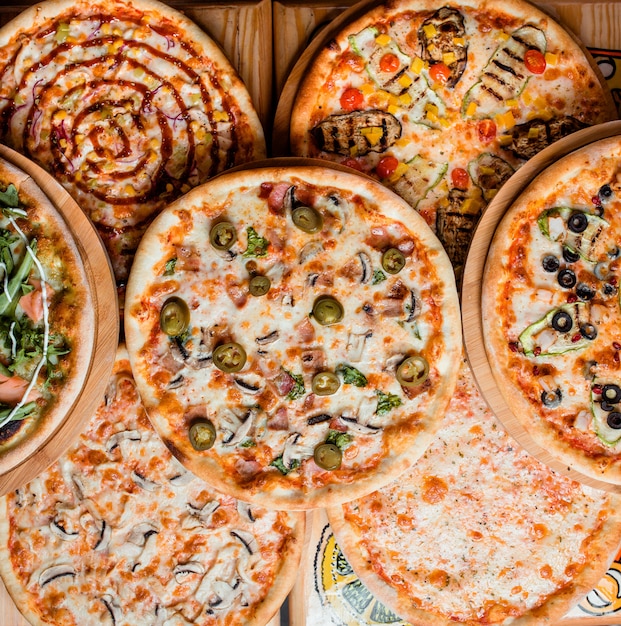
(328, 456)
(229, 357)
(202, 435)
(174, 317)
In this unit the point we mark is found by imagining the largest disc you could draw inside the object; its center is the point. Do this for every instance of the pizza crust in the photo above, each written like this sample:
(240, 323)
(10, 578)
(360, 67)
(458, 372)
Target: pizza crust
(403, 445)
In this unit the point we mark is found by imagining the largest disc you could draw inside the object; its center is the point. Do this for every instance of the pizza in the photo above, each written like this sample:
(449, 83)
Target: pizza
(551, 309)
(117, 532)
(294, 333)
(442, 102)
(127, 103)
(478, 531)
(46, 316)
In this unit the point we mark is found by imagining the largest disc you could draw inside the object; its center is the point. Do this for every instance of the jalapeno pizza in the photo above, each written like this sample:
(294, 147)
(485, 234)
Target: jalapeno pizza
(294, 333)
(478, 531)
(442, 102)
(117, 532)
(552, 311)
(127, 104)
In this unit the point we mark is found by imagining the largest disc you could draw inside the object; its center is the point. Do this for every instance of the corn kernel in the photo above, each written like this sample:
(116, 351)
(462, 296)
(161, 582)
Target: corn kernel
(486, 171)
(503, 37)
(418, 65)
(430, 30)
(551, 59)
(527, 98)
(60, 115)
(353, 151)
(106, 29)
(401, 169)
(506, 140)
(444, 122)
(405, 99)
(366, 89)
(533, 132)
(373, 134)
(431, 48)
(432, 117)
(472, 108)
(169, 188)
(63, 143)
(448, 58)
(405, 80)
(220, 116)
(129, 190)
(459, 41)
(402, 142)
(79, 139)
(383, 39)
(393, 109)
(431, 108)
(77, 176)
(512, 103)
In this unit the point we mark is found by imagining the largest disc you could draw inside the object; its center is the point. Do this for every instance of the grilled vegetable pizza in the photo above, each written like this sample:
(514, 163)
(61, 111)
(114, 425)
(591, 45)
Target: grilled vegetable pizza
(127, 104)
(552, 311)
(442, 102)
(46, 314)
(294, 333)
(478, 531)
(117, 532)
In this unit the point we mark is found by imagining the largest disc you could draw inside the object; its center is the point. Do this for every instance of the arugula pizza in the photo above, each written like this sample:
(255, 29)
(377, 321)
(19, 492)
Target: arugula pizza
(46, 315)
(442, 102)
(552, 311)
(294, 333)
(127, 104)
(117, 532)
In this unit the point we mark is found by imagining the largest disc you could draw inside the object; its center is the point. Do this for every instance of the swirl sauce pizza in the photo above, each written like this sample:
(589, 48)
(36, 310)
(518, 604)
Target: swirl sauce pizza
(127, 104)
(478, 531)
(117, 532)
(442, 102)
(294, 332)
(552, 312)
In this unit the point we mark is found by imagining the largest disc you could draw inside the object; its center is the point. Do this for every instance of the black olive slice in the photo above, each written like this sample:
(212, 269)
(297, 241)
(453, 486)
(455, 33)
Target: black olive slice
(605, 191)
(551, 399)
(566, 278)
(606, 406)
(614, 420)
(571, 256)
(611, 393)
(609, 289)
(588, 331)
(577, 222)
(562, 321)
(550, 263)
(584, 292)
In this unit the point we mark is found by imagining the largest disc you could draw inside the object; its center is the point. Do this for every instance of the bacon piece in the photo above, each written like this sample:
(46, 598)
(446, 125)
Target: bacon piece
(304, 330)
(235, 291)
(276, 198)
(313, 360)
(280, 420)
(284, 383)
(247, 468)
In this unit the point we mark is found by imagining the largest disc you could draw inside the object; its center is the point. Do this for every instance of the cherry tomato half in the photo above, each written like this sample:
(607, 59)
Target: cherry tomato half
(535, 61)
(386, 166)
(389, 63)
(486, 130)
(440, 73)
(351, 99)
(460, 178)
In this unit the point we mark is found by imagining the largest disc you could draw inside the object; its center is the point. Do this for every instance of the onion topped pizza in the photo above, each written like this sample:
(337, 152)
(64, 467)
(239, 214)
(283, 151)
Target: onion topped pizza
(294, 333)
(117, 532)
(127, 104)
(552, 310)
(442, 102)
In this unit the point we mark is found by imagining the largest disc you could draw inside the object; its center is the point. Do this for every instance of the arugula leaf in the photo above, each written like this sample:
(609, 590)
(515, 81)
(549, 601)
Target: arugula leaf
(298, 387)
(279, 465)
(22, 413)
(378, 277)
(18, 278)
(386, 402)
(170, 266)
(9, 197)
(257, 245)
(339, 439)
(247, 443)
(352, 376)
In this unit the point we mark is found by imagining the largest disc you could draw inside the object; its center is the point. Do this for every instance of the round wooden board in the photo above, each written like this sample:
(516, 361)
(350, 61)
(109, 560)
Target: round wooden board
(472, 285)
(31, 457)
(284, 108)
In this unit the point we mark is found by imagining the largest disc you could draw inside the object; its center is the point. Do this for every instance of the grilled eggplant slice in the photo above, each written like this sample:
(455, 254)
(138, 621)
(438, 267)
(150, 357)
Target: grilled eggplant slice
(530, 138)
(438, 35)
(505, 75)
(359, 132)
(419, 179)
(489, 172)
(454, 230)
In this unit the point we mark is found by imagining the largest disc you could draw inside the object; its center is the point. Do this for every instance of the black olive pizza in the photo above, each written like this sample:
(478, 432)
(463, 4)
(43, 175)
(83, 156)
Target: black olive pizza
(117, 532)
(127, 103)
(294, 333)
(46, 315)
(442, 102)
(478, 531)
(552, 310)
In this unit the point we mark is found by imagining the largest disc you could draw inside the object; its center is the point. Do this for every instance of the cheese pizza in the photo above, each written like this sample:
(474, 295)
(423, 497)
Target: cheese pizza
(478, 531)
(442, 102)
(117, 532)
(294, 333)
(46, 315)
(127, 103)
(552, 312)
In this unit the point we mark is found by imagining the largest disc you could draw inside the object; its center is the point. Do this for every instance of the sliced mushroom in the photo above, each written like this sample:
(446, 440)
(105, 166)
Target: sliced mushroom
(204, 512)
(183, 570)
(57, 529)
(104, 537)
(241, 430)
(224, 594)
(78, 486)
(310, 250)
(295, 451)
(367, 268)
(248, 539)
(54, 572)
(141, 532)
(177, 382)
(361, 429)
(243, 508)
(182, 479)
(124, 435)
(356, 343)
(114, 608)
(391, 363)
(144, 483)
(271, 338)
(245, 386)
(411, 307)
